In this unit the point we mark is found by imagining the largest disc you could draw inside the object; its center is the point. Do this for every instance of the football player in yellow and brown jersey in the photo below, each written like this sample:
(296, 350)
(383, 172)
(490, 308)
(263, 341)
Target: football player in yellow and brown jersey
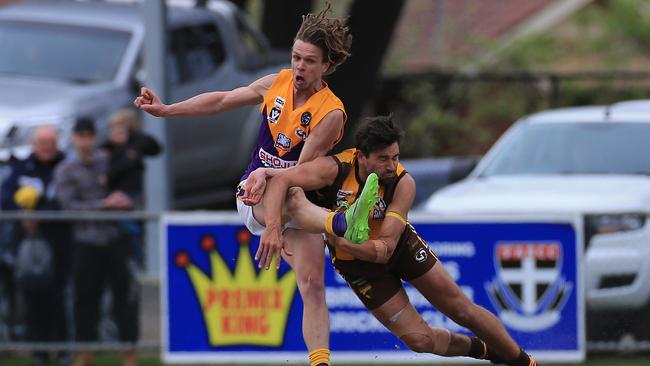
(301, 119)
(394, 252)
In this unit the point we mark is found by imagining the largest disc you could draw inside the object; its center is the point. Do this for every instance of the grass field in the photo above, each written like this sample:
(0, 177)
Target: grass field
(154, 360)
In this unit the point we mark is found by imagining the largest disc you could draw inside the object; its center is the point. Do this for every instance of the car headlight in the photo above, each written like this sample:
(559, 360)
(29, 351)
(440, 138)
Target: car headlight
(613, 223)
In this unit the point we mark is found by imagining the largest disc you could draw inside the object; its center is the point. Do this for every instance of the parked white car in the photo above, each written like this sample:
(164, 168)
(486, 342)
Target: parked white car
(591, 161)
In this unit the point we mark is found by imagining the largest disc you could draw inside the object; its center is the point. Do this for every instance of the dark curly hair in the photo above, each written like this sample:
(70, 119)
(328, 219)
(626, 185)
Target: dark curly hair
(377, 133)
(329, 34)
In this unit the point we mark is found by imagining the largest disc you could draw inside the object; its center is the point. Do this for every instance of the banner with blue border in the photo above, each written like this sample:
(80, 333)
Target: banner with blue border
(217, 306)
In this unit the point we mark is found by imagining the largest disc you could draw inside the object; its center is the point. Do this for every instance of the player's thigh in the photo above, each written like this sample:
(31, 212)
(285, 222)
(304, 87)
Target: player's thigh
(437, 286)
(308, 252)
(374, 290)
(394, 305)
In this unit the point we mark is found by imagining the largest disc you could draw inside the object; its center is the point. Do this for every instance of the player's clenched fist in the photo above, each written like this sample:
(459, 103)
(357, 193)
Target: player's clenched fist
(149, 102)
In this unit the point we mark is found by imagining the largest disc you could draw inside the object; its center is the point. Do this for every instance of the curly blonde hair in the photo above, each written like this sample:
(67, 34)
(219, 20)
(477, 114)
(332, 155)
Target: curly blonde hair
(329, 34)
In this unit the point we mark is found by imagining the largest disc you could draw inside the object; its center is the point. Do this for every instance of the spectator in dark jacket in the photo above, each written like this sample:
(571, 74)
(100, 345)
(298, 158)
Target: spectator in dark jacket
(102, 255)
(30, 186)
(127, 146)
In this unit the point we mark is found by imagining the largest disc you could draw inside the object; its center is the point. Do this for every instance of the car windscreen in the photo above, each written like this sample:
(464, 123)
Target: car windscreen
(61, 52)
(573, 148)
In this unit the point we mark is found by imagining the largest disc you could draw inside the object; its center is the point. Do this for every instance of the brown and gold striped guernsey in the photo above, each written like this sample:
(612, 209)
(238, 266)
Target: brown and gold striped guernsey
(346, 188)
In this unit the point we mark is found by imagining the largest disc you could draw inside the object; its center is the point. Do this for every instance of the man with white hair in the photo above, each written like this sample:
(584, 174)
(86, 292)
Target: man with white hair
(30, 186)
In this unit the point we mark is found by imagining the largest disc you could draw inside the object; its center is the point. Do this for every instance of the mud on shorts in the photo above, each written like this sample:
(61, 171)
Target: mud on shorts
(375, 283)
(247, 217)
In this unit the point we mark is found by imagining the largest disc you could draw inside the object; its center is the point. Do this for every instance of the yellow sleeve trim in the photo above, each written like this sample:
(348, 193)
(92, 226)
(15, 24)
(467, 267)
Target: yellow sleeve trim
(397, 216)
(328, 223)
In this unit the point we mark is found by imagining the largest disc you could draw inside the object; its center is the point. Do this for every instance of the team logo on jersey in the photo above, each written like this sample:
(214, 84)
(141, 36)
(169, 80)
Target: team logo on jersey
(283, 142)
(300, 133)
(274, 114)
(305, 118)
(529, 290)
(421, 255)
(379, 212)
(342, 197)
(279, 101)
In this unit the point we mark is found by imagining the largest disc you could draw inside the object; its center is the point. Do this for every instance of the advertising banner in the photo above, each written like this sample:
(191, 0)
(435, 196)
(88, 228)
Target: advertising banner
(217, 306)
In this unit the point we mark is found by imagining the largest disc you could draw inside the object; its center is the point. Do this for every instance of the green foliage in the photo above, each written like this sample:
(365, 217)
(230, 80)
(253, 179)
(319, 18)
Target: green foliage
(581, 93)
(430, 129)
(539, 49)
(629, 20)
(461, 117)
(616, 32)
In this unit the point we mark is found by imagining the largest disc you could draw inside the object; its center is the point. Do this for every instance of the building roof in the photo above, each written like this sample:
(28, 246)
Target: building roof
(447, 33)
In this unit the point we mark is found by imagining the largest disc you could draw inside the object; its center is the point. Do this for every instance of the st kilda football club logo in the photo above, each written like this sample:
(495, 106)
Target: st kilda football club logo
(529, 290)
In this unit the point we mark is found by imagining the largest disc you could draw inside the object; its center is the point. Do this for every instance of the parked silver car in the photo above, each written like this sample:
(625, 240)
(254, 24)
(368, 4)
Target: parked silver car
(65, 59)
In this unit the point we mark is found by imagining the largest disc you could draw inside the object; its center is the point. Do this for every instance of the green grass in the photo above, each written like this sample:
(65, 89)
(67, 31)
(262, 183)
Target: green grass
(110, 359)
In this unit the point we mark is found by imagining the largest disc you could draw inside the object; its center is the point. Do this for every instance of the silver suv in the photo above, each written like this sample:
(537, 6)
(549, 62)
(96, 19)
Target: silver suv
(65, 59)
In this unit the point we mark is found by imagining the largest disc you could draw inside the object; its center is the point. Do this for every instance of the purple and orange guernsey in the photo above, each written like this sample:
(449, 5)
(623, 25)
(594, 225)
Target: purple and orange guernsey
(284, 128)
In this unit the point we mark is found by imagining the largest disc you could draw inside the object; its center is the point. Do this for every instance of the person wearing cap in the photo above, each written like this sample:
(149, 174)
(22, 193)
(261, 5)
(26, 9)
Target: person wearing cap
(30, 186)
(102, 255)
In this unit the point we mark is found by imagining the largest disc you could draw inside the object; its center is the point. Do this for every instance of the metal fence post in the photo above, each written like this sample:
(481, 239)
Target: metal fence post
(158, 179)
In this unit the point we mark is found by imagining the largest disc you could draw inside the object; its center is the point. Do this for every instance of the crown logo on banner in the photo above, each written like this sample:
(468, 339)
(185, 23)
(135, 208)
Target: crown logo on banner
(244, 307)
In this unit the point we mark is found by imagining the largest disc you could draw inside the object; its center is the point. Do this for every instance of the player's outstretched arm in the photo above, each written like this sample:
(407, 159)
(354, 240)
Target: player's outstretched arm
(207, 103)
(381, 249)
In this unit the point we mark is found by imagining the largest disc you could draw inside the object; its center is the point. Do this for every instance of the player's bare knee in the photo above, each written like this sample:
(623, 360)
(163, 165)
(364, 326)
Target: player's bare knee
(408, 325)
(295, 198)
(311, 287)
(426, 339)
(419, 343)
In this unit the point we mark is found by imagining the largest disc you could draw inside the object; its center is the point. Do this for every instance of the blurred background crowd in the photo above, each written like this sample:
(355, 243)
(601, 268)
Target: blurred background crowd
(47, 264)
